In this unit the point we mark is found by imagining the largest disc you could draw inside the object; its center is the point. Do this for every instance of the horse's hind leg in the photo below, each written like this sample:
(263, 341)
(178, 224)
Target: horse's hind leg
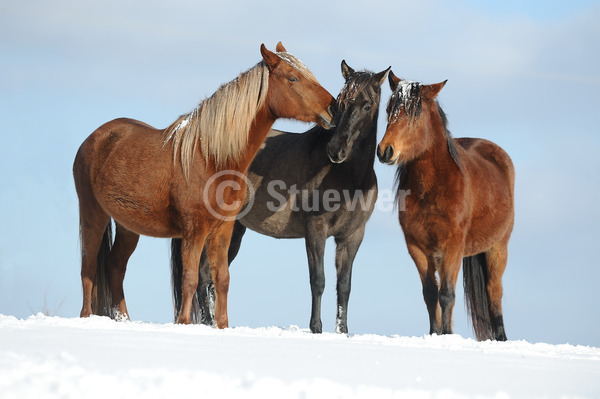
(345, 252)
(205, 293)
(125, 243)
(496, 258)
(93, 222)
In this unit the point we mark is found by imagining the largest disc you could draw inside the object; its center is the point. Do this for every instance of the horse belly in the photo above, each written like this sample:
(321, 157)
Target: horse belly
(139, 214)
(277, 223)
(131, 182)
(485, 231)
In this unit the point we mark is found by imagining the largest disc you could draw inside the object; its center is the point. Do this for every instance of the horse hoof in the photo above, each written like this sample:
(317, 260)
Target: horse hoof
(222, 322)
(121, 316)
(501, 337)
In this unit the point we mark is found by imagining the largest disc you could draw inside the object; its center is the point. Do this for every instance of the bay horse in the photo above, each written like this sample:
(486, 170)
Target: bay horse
(311, 185)
(460, 205)
(164, 183)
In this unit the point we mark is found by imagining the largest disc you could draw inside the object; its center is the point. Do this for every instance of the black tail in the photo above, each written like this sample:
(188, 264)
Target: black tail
(176, 282)
(101, 295)
(476, 299)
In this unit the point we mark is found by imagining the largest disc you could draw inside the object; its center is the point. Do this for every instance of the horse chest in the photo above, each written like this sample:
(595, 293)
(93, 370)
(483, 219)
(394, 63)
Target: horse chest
(431, 218)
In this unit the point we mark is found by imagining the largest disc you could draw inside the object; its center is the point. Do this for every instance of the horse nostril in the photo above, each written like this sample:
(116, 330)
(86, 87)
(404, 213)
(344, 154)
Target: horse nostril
(389, 153)
(342, 153)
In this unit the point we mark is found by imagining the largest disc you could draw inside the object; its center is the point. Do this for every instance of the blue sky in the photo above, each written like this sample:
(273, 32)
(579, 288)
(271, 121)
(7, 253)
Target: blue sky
(524, 74)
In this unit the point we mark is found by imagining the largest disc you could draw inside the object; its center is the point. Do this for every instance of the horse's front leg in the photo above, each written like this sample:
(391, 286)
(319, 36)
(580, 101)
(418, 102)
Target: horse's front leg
(192, 244)
(345, 252)
(430, 286)
(218, 247)
(206, 288)
(315, 248)
(448, 269)
(125, 243)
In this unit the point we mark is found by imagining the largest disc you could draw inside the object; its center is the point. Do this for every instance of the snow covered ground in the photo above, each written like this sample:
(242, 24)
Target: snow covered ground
(100, 358)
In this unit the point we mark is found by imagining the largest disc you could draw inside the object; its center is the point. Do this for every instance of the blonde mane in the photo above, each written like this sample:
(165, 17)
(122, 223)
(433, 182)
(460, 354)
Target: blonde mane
(220, 123)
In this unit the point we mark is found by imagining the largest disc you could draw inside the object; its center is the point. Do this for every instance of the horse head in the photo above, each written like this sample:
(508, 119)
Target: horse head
(408, 133)
(357, 108)
(294, 92)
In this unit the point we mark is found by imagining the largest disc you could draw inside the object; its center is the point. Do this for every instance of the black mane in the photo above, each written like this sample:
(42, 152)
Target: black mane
(355, 84)
(407, 98)
(451, 147)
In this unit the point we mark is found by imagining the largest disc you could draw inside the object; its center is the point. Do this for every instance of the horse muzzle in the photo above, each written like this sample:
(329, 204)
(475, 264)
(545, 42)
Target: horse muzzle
(338, 156)
(326, 120)
(386, 156)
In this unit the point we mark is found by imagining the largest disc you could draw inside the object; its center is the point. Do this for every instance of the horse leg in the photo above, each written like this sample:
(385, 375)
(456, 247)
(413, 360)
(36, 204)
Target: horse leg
(448, 266)
(207, 299)
(315, 249)
(218, 247)
(430, 286)
(496, 258)
(93, 222)
(192, 244)
(345, 252)
(125, 243)
(205, 292)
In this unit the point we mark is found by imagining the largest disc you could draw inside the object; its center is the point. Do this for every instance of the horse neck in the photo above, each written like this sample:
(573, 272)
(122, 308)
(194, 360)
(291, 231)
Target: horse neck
(435, 164)
(363, 153)
(360, 162)
(262, 123)
(362, 158)
(369, 143)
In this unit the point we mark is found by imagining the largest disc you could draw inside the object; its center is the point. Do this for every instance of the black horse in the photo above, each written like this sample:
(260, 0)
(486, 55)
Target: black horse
(313, 185)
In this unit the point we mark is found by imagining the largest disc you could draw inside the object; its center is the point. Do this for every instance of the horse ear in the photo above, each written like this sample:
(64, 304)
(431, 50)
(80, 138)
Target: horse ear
(346, 70)
(269, 57)
(393, 80)
(431, 91)
(280, 49)
(380, 77)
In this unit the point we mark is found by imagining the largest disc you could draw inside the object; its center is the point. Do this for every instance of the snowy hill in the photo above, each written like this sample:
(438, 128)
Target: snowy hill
(99, 358)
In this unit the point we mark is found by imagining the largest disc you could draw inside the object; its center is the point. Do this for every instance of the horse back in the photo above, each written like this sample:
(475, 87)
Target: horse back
(491, 175)
(109, 136)
(488, 154)
(124, 166)
(286, 174)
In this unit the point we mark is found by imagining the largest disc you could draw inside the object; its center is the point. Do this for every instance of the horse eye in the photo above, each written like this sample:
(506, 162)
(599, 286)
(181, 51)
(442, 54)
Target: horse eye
(367, 107)
(293, 79)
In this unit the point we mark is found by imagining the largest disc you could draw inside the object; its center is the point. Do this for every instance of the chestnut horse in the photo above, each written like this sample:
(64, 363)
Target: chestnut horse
(322, 165)
(169, 183)
(460, 206)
